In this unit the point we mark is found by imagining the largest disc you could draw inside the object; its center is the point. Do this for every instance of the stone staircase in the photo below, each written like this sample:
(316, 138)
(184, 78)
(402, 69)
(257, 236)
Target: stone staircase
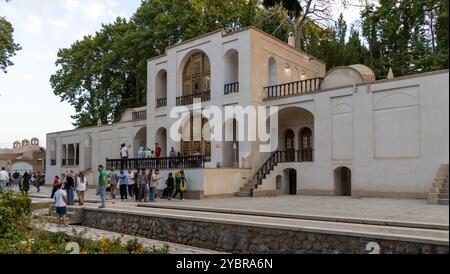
(439, 191)
(263, 172)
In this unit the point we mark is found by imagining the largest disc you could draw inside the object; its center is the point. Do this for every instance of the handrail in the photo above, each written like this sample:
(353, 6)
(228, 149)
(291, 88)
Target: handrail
(205, 96)
(182, 162)
(161, 102)
(231, 88)
(294, 88)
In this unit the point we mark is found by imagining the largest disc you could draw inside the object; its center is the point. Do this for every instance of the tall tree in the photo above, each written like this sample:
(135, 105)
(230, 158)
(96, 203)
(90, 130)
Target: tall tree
(8, 48)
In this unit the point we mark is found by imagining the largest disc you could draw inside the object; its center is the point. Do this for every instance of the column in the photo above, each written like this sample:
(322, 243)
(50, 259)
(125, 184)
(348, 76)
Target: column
(75, 154)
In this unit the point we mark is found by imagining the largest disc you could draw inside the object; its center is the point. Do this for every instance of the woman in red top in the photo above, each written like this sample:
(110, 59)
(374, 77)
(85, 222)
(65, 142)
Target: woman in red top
(55, 186)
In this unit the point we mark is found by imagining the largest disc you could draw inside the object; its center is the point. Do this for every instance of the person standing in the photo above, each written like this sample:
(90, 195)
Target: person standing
(123, 156)
(154, 180)
(4, 178)
(40, 181)
(158, 150)
(81, 188)
(25, 184)
(16, 178)
(102, 183)
(136, 190)
(178, 185)
(55, 186)
(69, 187)
(170, 185)
(123, 183)
(113, 181)
(142, 179)
(60, 204)
(130, 185)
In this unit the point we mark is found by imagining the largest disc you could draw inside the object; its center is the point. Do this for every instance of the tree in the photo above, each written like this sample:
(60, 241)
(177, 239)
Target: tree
(8, 48)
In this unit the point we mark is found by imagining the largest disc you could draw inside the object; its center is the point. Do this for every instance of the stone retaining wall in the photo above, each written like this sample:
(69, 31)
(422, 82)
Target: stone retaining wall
(242, 238)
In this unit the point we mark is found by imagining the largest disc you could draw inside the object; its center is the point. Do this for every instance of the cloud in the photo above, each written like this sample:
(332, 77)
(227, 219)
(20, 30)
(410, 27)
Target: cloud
(94, 10)
(58, 23)
(33, 24)
(71, 4)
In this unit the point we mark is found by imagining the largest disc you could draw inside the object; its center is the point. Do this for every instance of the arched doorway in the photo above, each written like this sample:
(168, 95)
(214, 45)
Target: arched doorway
(292, 181)
(289, 145)
(161, 88)
(140, 140)
(306, 144)
(196, 140)
(342, 181)
(231, 72)
(196, 75)
(161, 139)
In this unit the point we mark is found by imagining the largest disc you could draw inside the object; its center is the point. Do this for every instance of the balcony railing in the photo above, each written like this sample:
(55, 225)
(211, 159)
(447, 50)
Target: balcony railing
(231, 88)
(205, 96)
(139, 115)
(70, 162)
(161, 102)
(183, 162)
(293, 88)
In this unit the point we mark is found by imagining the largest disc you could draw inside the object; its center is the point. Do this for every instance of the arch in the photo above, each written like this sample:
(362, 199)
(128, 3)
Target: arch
(396, 100)
(25, 142)
(273, 75)
(161, 87)
(306, 144)
(161, 139)
(195, 73)
(35, 141)
(88, 153)
(17, 144)
(231, 70)
(230, 153)
(290, 185)
(21, 167)
(196, 140)
(342, 108)
(139, 140)
(342, 181)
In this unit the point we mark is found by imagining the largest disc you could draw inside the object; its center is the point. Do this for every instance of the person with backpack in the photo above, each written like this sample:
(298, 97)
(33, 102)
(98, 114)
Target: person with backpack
(170, 185)
(180, 184)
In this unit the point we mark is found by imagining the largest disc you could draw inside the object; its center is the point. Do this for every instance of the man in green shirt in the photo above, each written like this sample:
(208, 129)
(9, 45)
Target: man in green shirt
(102, 183)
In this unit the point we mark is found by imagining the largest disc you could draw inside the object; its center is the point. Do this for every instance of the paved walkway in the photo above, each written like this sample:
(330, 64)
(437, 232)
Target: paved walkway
(407, 210)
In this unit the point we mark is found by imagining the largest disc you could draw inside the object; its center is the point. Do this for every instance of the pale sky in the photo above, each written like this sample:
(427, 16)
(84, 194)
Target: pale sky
(28, 107)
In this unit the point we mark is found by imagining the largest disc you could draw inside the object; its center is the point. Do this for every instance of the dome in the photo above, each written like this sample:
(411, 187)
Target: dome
(347, 76)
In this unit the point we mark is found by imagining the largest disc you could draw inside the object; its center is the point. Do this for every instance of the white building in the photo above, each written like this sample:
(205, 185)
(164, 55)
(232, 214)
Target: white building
(340, 132)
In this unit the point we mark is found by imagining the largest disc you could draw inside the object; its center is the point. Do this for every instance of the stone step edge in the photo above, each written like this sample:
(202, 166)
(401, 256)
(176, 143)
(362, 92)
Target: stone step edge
(341, 232)
(365, 221)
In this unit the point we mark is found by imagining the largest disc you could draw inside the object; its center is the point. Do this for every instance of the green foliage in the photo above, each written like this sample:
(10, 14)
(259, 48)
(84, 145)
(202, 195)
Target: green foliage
(8, 48)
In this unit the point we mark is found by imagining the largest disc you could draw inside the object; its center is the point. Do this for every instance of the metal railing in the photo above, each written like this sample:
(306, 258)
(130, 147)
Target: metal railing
(139, 115)
(293, 88)
(288, 156)
(182, 162)
(205, 96)
(70, 162)
(161, 102)
(231, 88)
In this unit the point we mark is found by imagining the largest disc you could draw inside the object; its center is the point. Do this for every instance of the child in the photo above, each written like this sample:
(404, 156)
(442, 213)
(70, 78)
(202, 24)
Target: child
(60, 203)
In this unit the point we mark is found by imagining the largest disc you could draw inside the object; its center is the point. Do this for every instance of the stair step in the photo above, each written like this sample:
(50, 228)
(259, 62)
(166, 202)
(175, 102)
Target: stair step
(440, 180)
(443, 196)
(443, 190)
(243, 194)
(246, 189)
(442, 201)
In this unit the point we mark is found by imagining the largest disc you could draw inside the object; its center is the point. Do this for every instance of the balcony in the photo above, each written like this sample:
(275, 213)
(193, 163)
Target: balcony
(139, 115)
(293, 88)
(231, 88)
(183, 162)
(161, 102)
(205, 96)
(70, 162)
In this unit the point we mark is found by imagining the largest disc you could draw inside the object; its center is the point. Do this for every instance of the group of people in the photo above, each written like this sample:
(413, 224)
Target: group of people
(141, 185)
(23, 181)
(71, 183)
(149, 153)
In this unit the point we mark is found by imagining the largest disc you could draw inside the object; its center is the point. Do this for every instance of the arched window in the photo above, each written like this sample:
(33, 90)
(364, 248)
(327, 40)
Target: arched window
(306, 145)
(161, 88)
(202, 141)
(290, 145)
(196, 74)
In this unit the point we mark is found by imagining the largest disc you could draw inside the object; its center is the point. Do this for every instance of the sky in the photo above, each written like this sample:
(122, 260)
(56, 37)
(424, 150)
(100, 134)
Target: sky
(28, 106)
